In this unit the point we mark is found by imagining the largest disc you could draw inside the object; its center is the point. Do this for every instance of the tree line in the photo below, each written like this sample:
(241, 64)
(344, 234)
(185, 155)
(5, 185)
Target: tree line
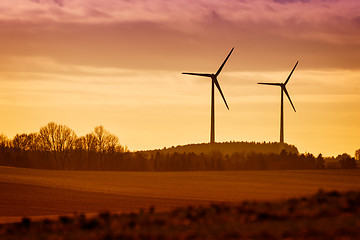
(217, 161)
(57, 146)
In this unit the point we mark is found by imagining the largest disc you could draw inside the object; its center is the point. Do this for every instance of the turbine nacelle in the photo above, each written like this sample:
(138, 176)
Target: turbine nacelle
(283, 85)
(213, 76)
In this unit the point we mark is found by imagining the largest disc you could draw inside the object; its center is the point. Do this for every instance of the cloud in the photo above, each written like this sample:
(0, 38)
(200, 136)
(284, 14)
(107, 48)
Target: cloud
(180, 10)
(291, 1)
(146, 34)
(57, 2)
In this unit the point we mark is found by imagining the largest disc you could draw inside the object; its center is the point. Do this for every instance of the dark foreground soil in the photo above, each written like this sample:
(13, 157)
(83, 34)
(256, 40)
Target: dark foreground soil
(325, 215)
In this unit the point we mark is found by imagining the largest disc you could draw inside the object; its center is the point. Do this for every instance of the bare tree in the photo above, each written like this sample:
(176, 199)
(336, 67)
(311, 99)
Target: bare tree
(3, 141)
(106, 143)
(25, 142)
(20, 141)
(357, 155)
(33, 142)
(47, 137)
(112, 143)
(101, 137)
(88, 144)
(59, 140)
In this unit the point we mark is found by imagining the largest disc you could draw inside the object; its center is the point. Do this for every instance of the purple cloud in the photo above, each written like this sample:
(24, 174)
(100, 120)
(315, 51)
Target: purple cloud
(291, 1)
(181, 11)
(57, 2)
(261, 28)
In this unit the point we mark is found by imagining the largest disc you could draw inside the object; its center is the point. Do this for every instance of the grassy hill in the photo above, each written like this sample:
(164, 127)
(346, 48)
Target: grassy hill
(229, 148)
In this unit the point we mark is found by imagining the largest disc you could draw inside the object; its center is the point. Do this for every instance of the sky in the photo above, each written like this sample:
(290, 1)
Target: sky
(85, 63)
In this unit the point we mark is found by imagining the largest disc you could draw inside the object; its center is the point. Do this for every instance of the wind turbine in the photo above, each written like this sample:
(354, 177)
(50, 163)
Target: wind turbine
(283, 89)
(214, 81)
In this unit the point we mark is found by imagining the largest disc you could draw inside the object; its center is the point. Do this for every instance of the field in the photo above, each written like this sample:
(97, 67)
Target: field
(330, 215)
(42, 194)
(30, 192)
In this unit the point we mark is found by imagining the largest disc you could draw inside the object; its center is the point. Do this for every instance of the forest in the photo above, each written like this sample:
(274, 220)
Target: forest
(56, 146)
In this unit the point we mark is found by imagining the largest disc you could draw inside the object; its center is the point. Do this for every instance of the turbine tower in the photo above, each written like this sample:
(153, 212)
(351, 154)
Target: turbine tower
(215, 82)
(283, 89)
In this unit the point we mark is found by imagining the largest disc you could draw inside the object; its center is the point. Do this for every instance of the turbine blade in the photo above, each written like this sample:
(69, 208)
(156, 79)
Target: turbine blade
(219, 88)
(291, 73)
(198, 74)
(287, 94)
(222, 65)
(273, 84)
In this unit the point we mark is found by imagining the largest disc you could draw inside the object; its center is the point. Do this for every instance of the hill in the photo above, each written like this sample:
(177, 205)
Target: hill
(229, 148)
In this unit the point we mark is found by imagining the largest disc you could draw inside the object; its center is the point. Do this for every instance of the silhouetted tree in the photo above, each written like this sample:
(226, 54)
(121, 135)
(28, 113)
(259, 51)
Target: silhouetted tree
(86, 147)
(87, 142)
(19, 142)
(105, 141)
(320, 162)
(346, 161)
(309, 163)
(357, 155)
(106, 144)
(4, 142)
(25, 142)
(101, 137)
(32, 142)
(59, 140)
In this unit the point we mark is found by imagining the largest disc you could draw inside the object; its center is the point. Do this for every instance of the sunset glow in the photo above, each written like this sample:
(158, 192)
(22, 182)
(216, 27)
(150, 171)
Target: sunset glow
(85, 63)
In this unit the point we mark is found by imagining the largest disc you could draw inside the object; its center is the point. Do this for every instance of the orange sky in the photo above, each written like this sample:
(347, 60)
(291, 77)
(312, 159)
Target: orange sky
(118, 63)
